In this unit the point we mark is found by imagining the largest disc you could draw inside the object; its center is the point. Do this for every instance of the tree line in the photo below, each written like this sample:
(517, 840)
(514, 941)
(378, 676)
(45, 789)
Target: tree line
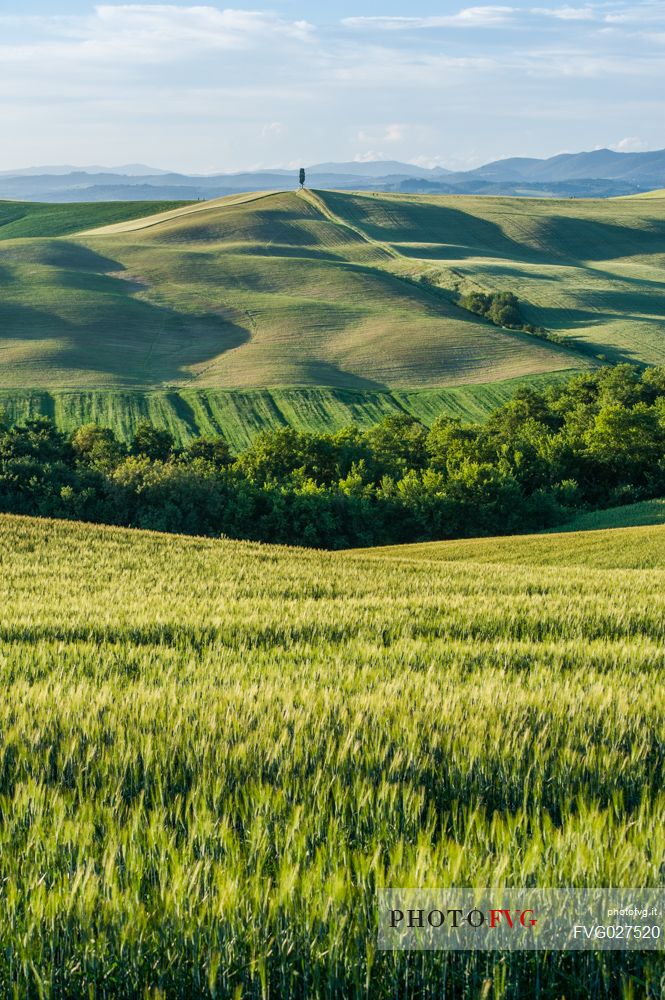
(595, 441)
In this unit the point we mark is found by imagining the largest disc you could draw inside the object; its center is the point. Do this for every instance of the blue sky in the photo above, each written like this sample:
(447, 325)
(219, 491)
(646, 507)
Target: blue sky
(207, 87)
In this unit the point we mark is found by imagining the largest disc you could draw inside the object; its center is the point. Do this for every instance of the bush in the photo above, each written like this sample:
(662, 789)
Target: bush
(501, 308)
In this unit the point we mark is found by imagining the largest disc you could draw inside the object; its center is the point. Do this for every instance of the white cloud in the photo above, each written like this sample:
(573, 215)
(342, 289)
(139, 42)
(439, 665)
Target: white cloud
(567, 13)
(490, 16)
(274, 128)
(252, 86)
(641, 13)
(581, 64)
(369, 157)
(393, 133)
(380, 67)
(631, 144)
(470, 17)
(151, 34)
(206, 26)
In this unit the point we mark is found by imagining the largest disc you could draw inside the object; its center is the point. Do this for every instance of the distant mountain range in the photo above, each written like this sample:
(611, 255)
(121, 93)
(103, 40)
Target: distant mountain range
(637, 168)
(601, 173)
(128, 169)
(377, 168)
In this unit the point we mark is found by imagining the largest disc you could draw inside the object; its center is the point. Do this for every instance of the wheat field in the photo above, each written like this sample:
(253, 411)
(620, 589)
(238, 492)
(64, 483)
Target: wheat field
(213, 753)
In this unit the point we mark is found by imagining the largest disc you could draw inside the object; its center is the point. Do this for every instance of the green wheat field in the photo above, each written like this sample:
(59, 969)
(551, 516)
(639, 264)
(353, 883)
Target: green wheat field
(213, 754)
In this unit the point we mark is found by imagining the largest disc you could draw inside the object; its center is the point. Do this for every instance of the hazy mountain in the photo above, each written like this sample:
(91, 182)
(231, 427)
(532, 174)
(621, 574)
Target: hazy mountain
(129, 169)
(376, 168)
(81, 186)
(600, 173)
(646, 169)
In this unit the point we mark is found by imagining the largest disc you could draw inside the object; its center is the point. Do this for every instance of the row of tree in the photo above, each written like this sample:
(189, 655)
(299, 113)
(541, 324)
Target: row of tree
(597, 440)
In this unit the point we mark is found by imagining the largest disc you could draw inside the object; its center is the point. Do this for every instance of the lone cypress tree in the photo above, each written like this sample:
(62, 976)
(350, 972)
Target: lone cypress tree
(302, 177)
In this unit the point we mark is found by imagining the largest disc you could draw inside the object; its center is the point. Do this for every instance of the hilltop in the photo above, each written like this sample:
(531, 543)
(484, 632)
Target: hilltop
(659, 193)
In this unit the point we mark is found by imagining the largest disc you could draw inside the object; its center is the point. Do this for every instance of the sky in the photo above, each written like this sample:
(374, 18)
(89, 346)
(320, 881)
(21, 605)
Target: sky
(207, 88)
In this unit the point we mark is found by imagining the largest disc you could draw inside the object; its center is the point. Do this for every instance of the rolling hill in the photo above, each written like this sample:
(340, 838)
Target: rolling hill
(331, 293)
(659, 193)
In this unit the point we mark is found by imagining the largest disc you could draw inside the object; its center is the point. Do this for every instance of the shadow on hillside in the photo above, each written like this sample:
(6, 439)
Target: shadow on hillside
(282, 220)
(650, 284)
(327, 373)
(627, 305)
(457, 233)
(286, 251)
(571, 238)
(563, 321)
(107, 330)
(603, 351)
(57, 253)
(185, 412)
(499, 269)
(142, 345)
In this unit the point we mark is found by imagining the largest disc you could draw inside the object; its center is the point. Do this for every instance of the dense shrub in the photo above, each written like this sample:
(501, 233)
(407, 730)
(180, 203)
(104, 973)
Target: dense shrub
(502, 308)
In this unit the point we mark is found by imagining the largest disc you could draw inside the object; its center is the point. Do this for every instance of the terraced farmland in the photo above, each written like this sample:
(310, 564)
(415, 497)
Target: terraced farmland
(213, 753)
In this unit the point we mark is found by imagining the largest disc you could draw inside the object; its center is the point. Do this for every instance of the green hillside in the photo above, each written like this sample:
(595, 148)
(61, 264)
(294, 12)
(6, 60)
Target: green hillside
(320, 291)
(215, 752)
(588, 270)
(626, 516)
(639, 547)
(239, 415)
(264, 291)
(19, 219)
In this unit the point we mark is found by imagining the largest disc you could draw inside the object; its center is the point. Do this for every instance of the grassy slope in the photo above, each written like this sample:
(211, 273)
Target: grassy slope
(242, 414)
(659, 193)
(24, 219)
(592, 270)
(641, 547)
(626, 516)
(210, 746)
